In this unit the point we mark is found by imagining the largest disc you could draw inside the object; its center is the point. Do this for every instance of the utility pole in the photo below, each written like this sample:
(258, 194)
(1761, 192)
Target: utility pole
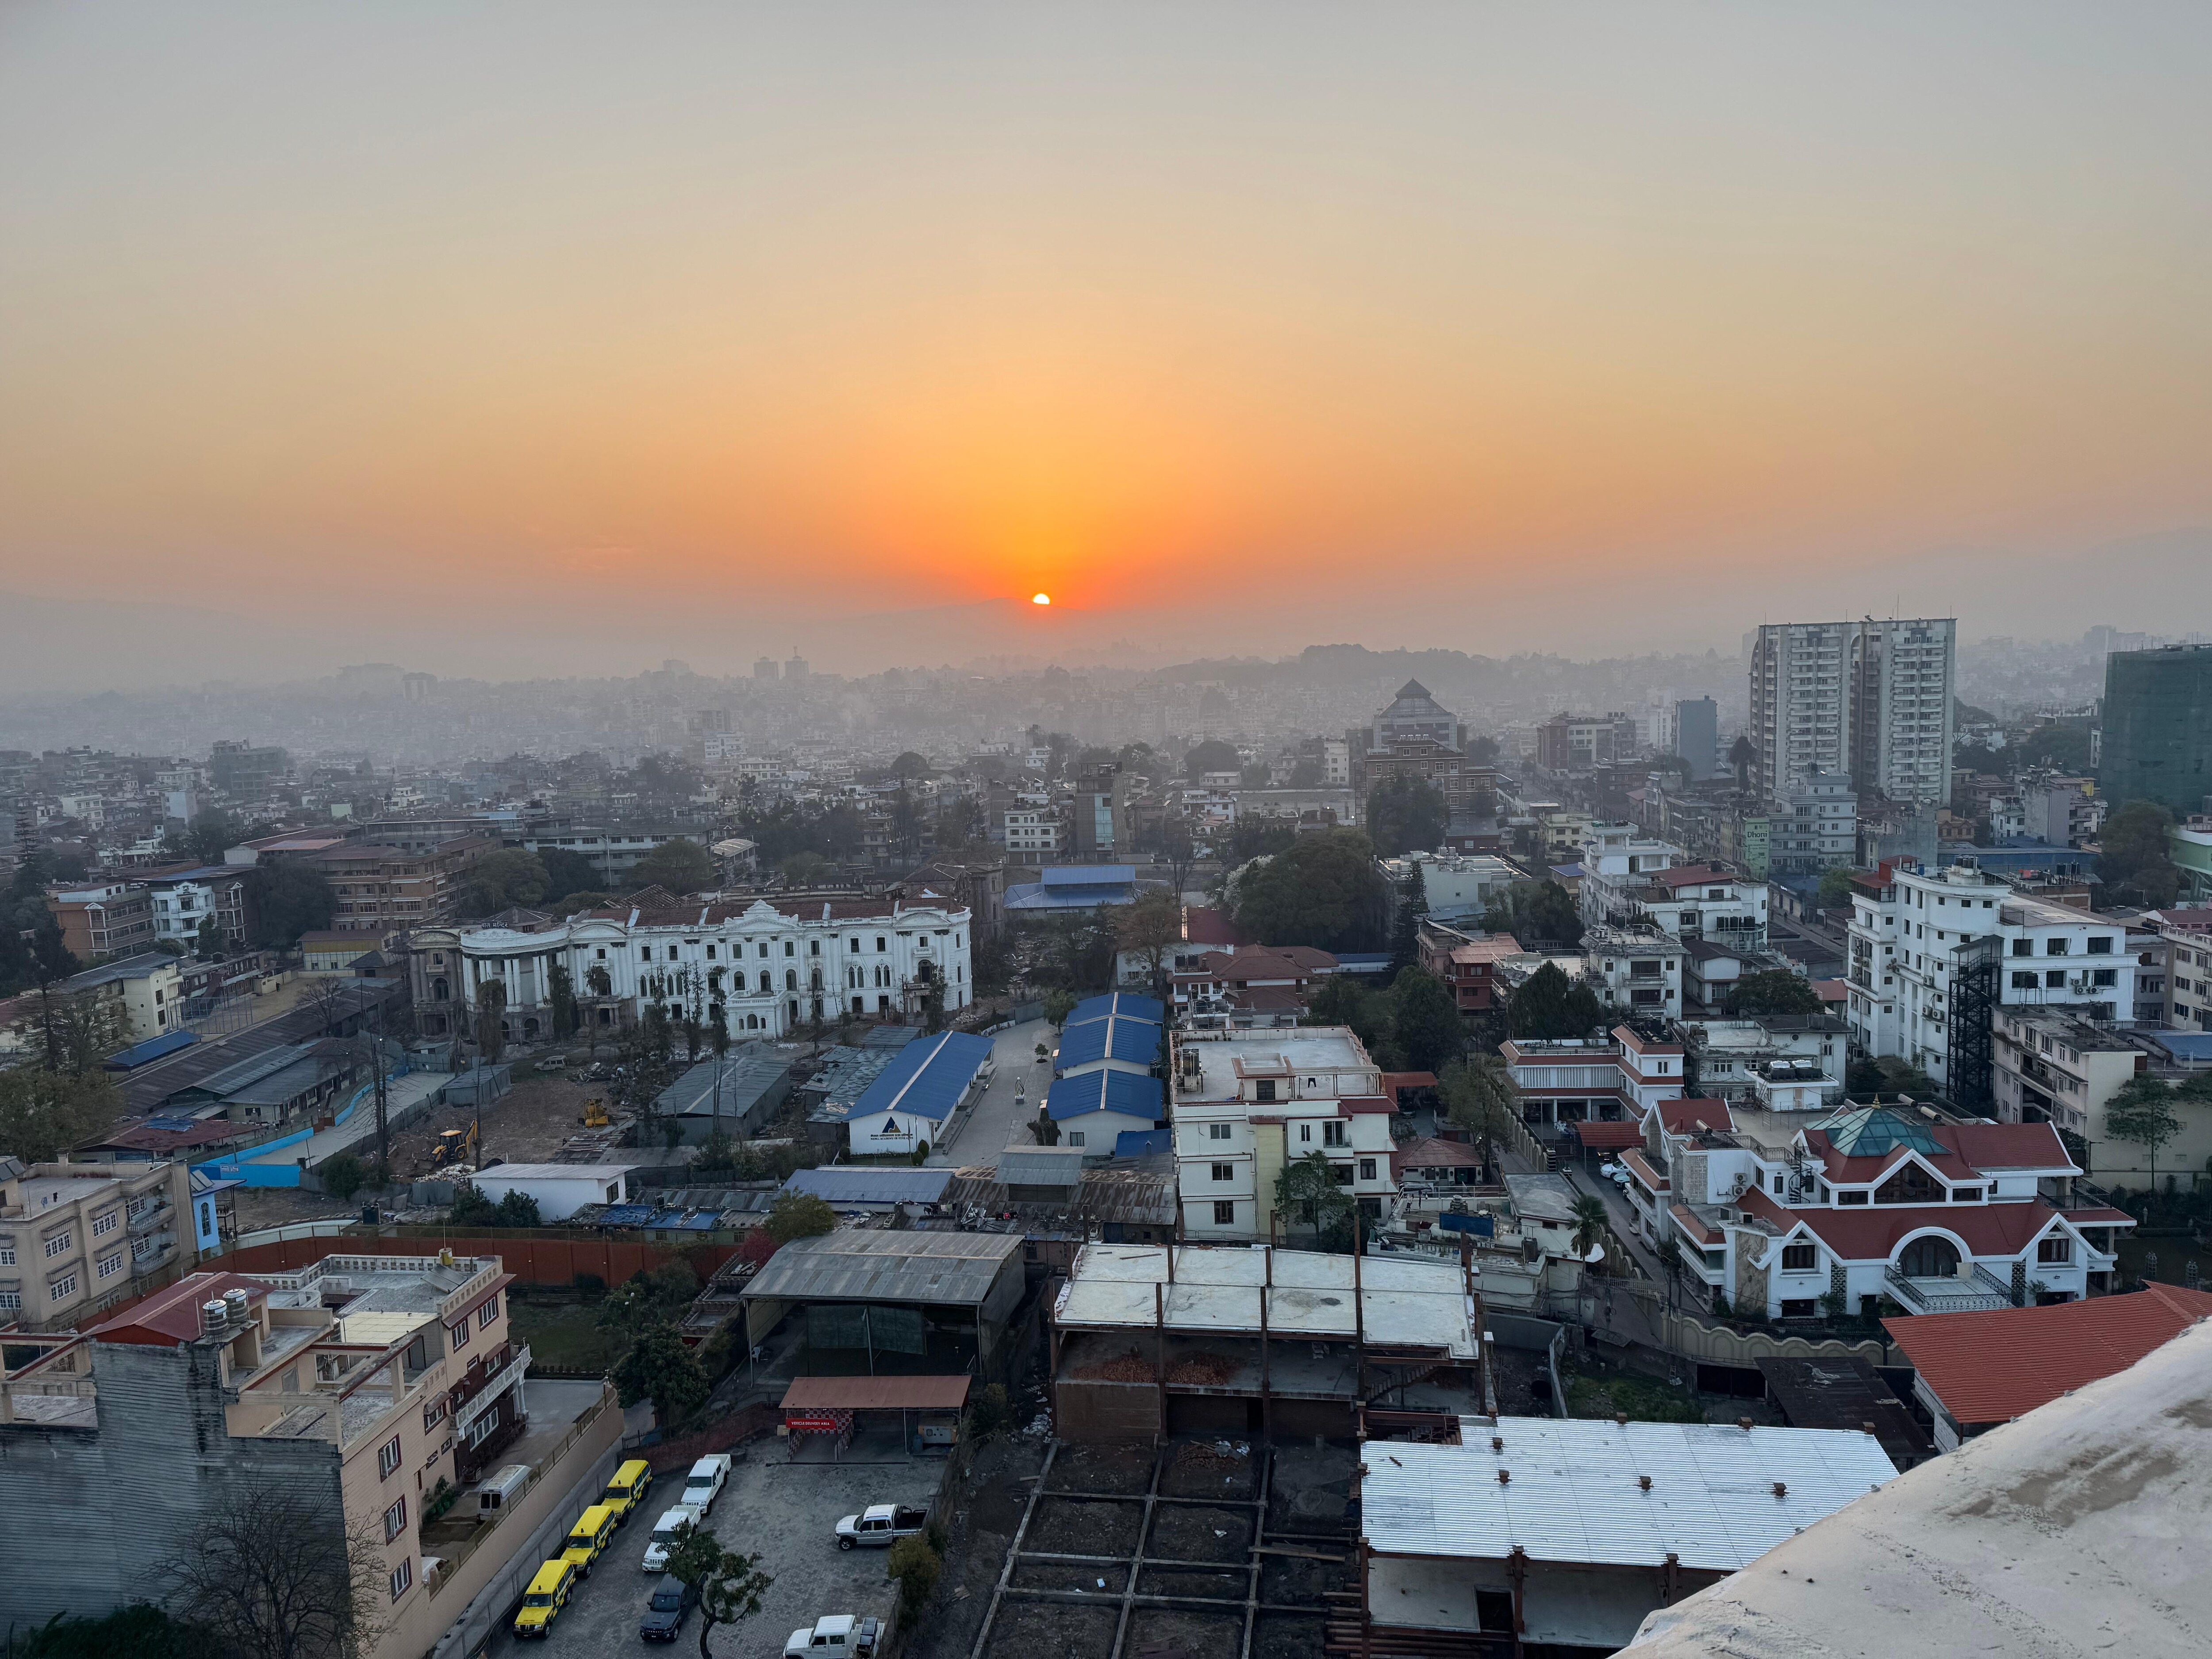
(383, 1120)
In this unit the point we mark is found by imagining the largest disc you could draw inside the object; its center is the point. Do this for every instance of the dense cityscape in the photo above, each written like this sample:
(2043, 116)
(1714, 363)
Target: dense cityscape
(1010, 831)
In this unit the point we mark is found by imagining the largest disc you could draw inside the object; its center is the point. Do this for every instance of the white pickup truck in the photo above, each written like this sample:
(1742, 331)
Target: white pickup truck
(705, 1482)
(880, 1526)
(664, 1534)
(837, 1636)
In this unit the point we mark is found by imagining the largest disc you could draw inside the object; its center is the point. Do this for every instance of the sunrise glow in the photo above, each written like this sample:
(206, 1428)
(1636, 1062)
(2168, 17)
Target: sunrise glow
(1040, 598)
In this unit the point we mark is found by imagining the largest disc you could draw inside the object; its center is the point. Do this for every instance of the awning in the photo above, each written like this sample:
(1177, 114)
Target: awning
(823, 1395)
(1610, 1135)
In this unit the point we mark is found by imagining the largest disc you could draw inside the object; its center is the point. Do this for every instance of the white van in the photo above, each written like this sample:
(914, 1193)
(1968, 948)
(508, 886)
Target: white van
(664, 1534)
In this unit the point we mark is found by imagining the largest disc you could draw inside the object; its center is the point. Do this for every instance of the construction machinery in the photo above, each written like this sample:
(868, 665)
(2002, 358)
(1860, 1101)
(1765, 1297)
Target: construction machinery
(453, 1147)
(595, 1114)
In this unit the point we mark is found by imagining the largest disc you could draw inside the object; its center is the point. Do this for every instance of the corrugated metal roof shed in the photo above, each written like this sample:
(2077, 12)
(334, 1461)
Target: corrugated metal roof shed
(1135, 1041)
(863, 1265)
(1118, 1002)
(845, 1185)
(928, 1078)
(237, 1075)
(1574, 1492)
(152, 1048)
(751, 1073)
(1105, 1091)
(1041, 1166)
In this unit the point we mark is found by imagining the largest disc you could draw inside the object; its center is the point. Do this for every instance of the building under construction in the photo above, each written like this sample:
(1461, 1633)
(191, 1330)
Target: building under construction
(1150, 1341)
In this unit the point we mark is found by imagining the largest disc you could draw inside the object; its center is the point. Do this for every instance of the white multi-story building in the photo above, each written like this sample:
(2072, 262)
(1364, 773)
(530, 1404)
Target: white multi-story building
(1634, 970)
(1456, 887)
(768, 967)
(1615, 858)
(1033, 831)
(1249, 1103)
(1908, 926)
(1872, 700)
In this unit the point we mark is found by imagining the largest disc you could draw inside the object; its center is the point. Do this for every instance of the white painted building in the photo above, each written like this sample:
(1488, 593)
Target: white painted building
(1033, 832)
(1248, 1103)
(1617, 858)
(1634, 970)
(1870, 700)
(1908, 924)
(771, 967)
(1457, 888)
(561, 1189)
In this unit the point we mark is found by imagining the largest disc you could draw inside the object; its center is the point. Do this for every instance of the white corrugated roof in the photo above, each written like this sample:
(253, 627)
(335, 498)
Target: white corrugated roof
(1574, 1495)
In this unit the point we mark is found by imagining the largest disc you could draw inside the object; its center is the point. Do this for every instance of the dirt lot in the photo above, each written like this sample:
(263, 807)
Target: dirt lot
(985, 1512)
(527, 1126)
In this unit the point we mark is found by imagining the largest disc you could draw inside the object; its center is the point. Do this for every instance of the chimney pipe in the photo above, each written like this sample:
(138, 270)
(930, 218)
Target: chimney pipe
(1644, 1482)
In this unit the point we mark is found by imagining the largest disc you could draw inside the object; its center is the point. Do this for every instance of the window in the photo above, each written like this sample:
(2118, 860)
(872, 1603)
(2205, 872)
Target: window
(486, 1314)
(1367, 1168)
(395, 1520)
(104, 1224)
(402, 1577)
(2026, 982)
(1225, 1214)
(387, 1459)
(458, 1333)
(1225, 1172)
(1075, 1138)
(1264, 1089)
(645, 953)
(8, 1254)
(111, 1264)
(789, 949)
(2105, 976)
(2100, 944)
(1342, 1172)
(1799, 1257)
(57, 1243)
(434, 1413)
(10, 1301)
(2021, 947)
(881, 943)
(2055, 947)
(1333, 1133)
(2054, 1249)
(62, 1288)
(1305, 1132)
(2055, 978)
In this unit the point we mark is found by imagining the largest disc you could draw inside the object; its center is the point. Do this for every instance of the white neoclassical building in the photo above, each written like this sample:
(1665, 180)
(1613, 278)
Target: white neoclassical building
(771, 965)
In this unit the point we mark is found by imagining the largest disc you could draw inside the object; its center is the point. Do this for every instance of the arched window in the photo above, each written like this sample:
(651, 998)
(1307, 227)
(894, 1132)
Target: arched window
(767, 983)
(1929, 1257)
(815, 982)
(440, 992)
(791, 979)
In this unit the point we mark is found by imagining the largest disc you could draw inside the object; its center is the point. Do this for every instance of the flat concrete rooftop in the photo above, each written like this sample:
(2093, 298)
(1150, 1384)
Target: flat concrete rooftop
(1324, 1052)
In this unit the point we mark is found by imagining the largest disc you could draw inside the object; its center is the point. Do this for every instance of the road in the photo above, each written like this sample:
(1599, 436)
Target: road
(787, 1513)
(994, 1121)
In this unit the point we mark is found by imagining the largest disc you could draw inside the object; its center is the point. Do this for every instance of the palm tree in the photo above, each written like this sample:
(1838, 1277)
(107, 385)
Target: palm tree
(1591, 1219)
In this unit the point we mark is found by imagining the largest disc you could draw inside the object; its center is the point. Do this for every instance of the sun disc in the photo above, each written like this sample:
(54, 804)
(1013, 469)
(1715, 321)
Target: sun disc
(1040, 598)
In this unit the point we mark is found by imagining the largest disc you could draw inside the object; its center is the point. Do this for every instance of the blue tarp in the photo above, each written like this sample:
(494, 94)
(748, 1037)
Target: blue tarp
(1118, 1002)
(626, 1215)
(1136, 1041)
(138, 1053)
(1105, 1091)
(1481, 1226)
(846, 1185)
(1138, 1143)
(928, 1079)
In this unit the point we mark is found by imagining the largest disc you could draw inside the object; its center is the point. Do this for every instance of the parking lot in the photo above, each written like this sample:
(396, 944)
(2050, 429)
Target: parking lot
(788, 1514)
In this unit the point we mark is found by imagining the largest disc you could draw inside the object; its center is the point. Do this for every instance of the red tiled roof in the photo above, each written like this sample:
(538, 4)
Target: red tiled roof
(2099, 1216)
(171, 1315)
(1992, 1367)
(1204, 925)
(1831, 990)
(1691, 875)
(1873, 1232)
(1433, 1154)
(1636, 1160)
(145, 1138)
(2008, 1145)
(1683, 1116)
(1592, 1134)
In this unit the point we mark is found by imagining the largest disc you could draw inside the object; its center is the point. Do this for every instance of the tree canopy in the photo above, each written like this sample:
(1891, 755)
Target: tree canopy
(679, 865)
(1535, 912)
(1323, 890)
(1406, 814)
(2135, 856)
(1550, 1007)
(2141, 1112)
(1212, 756)
(798, 1215)
(568, 873)
(289, 899)
(506, 879)
(1776, 991)
(1835, 887)
(1425, 1026)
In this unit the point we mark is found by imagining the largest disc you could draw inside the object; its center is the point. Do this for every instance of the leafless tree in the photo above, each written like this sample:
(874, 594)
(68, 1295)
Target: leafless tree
(274, 1574)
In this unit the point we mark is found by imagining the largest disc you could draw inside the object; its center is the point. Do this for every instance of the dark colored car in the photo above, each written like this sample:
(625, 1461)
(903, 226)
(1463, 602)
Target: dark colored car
(664, 1614)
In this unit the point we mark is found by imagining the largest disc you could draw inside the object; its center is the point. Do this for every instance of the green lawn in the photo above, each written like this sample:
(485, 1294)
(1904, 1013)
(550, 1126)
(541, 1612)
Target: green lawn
(565, 1334)
(1646, 1399)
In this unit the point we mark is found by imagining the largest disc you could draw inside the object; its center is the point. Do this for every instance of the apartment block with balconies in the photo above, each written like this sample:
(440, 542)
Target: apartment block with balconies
(76, 1239)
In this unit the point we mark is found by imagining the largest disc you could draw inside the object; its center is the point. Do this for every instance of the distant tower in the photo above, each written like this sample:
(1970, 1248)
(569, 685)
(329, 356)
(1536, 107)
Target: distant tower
(796, 668)
(764, 669)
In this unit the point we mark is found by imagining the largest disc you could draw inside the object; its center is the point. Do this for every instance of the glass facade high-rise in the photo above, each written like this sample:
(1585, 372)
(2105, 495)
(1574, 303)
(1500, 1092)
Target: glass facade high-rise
(2158, 728)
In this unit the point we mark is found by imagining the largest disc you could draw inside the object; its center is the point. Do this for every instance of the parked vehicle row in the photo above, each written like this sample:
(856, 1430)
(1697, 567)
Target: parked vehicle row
(555, 1583)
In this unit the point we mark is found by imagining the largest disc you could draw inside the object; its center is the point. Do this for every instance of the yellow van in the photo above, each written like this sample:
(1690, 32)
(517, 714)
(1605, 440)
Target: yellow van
(628, 1489)
(588, 1538)
(543, 1602)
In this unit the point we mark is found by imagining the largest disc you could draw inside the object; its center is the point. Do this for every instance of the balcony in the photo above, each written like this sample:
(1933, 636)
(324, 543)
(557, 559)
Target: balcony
(152, 1216)
(1981, 1293)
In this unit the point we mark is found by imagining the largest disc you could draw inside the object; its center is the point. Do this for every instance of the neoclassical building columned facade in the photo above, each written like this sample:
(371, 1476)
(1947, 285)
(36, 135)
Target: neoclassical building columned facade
(771, 966)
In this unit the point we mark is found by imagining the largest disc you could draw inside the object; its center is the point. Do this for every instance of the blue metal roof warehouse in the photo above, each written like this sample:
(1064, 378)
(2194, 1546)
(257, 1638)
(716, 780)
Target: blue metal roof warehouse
(1069, 887)
(1105, 1091)
(1125, 1003)
(928, 1079)
(1132, 1041)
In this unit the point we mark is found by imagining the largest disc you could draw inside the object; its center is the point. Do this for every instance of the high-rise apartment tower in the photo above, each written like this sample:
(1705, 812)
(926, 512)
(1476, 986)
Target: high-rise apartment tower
(1874, 700)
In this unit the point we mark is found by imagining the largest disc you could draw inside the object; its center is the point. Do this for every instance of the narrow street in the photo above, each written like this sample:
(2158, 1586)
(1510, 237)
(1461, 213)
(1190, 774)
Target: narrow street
(986, 1127)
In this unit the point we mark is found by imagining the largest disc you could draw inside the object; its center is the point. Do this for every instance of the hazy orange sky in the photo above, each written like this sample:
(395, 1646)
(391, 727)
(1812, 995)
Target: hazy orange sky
(1496, 327)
